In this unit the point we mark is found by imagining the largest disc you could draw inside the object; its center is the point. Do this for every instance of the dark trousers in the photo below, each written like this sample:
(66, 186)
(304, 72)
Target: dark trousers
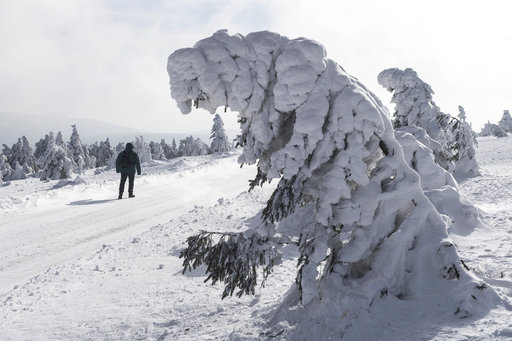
(131, 178)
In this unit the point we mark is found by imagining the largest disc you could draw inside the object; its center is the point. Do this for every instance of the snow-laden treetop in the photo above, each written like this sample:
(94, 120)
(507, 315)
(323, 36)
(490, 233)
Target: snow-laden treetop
(297, 110)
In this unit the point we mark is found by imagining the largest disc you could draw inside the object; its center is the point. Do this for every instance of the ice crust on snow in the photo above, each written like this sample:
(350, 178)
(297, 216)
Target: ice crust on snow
(354, 193)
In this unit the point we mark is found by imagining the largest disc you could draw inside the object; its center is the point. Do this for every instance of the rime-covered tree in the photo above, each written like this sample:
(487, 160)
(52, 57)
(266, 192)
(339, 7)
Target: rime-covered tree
(157, 152)
(361, 202)
(112, 162)
(220, 141)
(21, 153)
(93, 150)
(55, 161)
(78, 152)
(19, 172)
(190, 146)
(415, 108)
(41, 146)
(39, 151)
(491, 129)
(142, 149)
(7, 152)
(59, 141)
(5, 168)
(104, 153)
(505, 122)
(464, 144)
(26, 157)
(170, 151)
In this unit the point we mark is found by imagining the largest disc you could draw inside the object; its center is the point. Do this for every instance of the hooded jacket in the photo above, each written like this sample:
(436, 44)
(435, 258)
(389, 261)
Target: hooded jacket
(134, 161)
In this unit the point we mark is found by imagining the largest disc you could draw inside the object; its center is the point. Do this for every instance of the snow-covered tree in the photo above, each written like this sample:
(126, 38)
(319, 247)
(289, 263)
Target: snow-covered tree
(491, 129)
(93, 150)
(41, 146)
(21, 153)
(170, 151)
(55, 161)
(192, 147)
(142, 149)
(414, 108)
(76, 151)
(7, 152)
(26, 157)
(39, 151)
(506, 122)
(361, 202)
(59, 141)
(220, 141)
(157, 152)
(6, 170)
(112, 162)
(104, 153)
(464, 144)
(19, 172)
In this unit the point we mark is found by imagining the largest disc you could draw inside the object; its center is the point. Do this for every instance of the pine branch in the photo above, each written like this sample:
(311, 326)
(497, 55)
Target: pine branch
(234, 259)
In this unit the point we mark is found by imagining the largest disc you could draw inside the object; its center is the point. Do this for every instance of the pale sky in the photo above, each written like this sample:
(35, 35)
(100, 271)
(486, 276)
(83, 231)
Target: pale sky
(106, 59)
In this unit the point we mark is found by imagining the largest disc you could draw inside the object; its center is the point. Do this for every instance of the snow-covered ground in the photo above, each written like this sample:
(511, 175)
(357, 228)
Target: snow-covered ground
(78, 264)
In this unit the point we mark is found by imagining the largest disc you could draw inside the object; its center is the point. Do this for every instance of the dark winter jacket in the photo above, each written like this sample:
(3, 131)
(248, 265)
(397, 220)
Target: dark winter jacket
(134, 161)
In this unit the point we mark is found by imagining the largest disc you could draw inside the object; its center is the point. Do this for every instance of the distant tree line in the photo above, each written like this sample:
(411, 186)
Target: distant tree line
(54, 159)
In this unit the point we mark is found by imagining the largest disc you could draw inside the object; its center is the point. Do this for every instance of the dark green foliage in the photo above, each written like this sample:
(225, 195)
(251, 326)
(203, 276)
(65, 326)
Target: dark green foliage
(282, 202)
(233, 259)
(259, 180)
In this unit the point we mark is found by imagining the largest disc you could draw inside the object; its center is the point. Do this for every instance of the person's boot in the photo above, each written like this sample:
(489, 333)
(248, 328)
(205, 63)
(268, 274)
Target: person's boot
(120, 196)
(131, 195)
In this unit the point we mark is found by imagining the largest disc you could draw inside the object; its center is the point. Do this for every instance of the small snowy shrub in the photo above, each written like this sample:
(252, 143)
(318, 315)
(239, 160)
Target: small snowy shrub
(349, 195)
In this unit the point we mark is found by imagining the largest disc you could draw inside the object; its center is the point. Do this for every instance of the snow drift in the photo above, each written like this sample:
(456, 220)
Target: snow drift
(362, 204)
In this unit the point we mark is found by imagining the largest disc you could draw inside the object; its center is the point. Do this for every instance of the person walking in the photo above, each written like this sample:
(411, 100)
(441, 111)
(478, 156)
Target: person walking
(126, 163)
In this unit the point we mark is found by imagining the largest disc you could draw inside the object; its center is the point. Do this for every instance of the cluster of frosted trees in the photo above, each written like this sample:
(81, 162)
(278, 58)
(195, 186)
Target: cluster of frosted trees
(366, 198)
(502, 129)
(54, 159)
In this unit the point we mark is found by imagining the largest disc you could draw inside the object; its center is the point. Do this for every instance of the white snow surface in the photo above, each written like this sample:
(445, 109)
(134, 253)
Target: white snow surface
(78, 264)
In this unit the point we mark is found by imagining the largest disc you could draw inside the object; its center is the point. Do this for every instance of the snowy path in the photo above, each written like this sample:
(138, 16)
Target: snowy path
(78, 223)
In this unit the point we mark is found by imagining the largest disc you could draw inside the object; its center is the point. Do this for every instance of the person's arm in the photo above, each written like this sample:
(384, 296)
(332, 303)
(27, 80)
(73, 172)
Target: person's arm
(137, 164)
(118, 161)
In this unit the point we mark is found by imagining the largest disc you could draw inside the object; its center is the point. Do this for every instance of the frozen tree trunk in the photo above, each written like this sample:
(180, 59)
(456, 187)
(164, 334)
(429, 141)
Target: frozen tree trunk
(361, 203)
